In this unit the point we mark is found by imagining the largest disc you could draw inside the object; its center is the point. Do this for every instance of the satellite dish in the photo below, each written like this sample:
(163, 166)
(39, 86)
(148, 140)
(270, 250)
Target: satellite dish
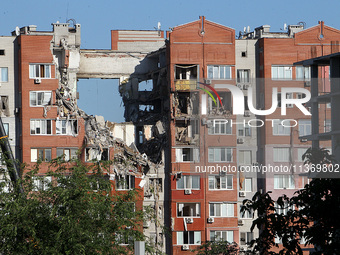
(17, 31)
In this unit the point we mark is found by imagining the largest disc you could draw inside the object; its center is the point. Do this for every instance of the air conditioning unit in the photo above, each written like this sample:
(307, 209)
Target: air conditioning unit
(185, 247)
(303, 140)
(240, 222)
(210, 220)
(239, 86)
(146, 224)
(245, 87)
(37, 81)
(242, 194)
(189, 220)
(307, 83)
(240, 140)
(187, 191)
(207, 81)
(246, 113)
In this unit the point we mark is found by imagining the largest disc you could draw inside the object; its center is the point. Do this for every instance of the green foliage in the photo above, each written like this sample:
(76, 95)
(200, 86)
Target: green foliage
(217, 248)
(312, 214)
(76, 213)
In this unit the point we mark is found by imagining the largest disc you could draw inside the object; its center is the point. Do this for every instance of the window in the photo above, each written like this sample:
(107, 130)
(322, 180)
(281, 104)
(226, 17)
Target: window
(281, 154)
(188, 210)
(246, 185)
(4, 107)
(305, 127)
(6, 127)
(284, 181)
(41, 182)
(188, 182)
(189, 237)
(125, 182)
(243, 54)
(302, 73)
(66, 127)
(219, 72)
(283, 209)
(41, 154)
(220, 127)
(40, 98)
(281, 72)
(41, 127)
(244, 157)
(288, 96)
(221, 210)
(246, 237)
(96, 154)
(187, 155)
(222, 235)
(279, 129)
(3, 74)
(222, 154)
(243, 75)
(300, 153)
(124, 239)
(40, 71)
(247, 214)
(67, 153)
(2, 52)
(217, 182)
(327, 126)
(243, 130)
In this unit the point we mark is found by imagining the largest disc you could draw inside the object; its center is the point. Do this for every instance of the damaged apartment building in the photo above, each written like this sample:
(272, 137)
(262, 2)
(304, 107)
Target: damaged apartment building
(174, 118)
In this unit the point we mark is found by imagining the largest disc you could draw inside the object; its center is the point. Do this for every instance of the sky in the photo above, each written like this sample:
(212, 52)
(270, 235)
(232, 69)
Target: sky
(97, 18)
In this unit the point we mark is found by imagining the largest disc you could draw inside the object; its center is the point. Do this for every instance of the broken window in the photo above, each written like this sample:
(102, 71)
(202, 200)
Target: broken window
(96, 154)
(186, 103)
(67, 153)
(66, 127)
(187, 132)
(146, 107)
(42, 154)
(125, 182)
(40, 98)
(4, 106)
(186, 77)
(41, 182)
(3, 74)
(39, 71)
(188, 210)
(215, 107)
(145, 85)
(156, 184)
(41, 127)
(187, 155)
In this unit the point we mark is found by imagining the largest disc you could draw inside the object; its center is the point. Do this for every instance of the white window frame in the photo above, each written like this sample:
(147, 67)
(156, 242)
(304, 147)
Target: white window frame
(195, 235)
(215, 154)
(219, 72)
(243, 75)
(305, 127)
(281, 72)
(243, 130)
(67, 153)
(192, 214)
(96, 153)
(248, 237)
(279, 100)
(180, 155)
(300, 152)
(42, 124)
(3, 73)
(228, 233)
(34, 73)
(279, 129)
(243, 158)
(281, 154)
(220, 182)
(125, 182)
(6, 127)
(247, 214)
(303, 73)
(35, 94)
(247, 185)
(66, 127)
(220, 127)
(284, 210)
(284, 181)
(188, 182)
(221, 209)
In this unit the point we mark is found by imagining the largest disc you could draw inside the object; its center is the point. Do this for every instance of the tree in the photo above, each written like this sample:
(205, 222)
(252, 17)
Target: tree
(75, 213)
(312, 213)
(217, 248)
